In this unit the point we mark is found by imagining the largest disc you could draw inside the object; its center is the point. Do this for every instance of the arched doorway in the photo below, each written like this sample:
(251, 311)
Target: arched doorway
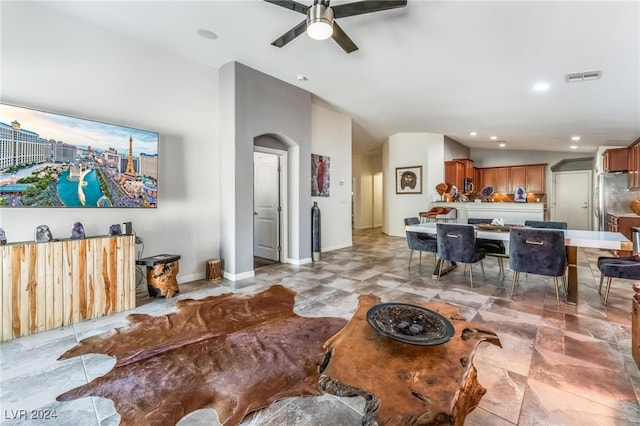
(270, 200)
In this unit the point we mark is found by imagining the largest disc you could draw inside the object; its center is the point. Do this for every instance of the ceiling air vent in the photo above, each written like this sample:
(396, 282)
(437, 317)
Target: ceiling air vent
(583, 76)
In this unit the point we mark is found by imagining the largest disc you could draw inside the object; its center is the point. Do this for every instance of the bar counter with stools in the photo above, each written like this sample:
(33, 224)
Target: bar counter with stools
(439, 214)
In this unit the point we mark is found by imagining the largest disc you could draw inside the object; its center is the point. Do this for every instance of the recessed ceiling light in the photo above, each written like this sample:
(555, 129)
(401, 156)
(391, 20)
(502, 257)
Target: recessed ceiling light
(575, 138)
(574, 147)
(541, 86)
(473, 134)
(207, 34)
(493, 138)
(301, 77)
(502, 144)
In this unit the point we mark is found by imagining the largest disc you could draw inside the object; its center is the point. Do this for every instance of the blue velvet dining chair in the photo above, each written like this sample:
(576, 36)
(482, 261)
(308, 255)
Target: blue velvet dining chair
(493, 248)
(539, 252)
(418, 240)
(545, 224)
(617, 267)
(457, 243)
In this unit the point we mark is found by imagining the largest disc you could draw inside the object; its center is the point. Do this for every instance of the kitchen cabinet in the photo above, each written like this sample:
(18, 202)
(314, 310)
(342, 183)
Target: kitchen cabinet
(505, 179)
(615, 160)
(457, 170)
(517, 177)
(536, 178)
(468, 167)
(497, 177)
(501, 179)
(454, 174)
(633, 165)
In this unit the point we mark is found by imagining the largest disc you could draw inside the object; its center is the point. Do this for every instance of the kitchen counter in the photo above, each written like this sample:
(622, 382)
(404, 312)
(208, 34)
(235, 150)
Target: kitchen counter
(512, 213)
(623, 214)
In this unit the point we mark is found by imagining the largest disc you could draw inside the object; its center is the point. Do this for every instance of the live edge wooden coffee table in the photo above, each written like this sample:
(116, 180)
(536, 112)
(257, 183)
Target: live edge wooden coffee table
(402, 383)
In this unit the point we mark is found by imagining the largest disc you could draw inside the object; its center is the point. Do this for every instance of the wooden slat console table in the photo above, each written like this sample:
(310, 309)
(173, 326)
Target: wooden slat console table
(57, 283)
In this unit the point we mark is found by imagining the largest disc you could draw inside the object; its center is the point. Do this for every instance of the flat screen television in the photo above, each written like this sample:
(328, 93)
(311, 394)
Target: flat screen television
(54, 160)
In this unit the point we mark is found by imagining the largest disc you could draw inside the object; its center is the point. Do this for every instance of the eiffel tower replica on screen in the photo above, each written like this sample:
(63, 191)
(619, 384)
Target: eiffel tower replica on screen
(130, 173)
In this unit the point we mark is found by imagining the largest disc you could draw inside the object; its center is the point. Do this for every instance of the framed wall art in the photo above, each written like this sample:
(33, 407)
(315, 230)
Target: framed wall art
(320, 175)
(409, 180)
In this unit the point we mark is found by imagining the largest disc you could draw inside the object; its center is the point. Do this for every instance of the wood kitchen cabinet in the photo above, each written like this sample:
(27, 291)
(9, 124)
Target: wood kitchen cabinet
(497, 177)
(615, 160)
(536, 178)
(469, 169)
(517, 177)
(457, 170)
(633, 165)
(454, 174)
(506, 179)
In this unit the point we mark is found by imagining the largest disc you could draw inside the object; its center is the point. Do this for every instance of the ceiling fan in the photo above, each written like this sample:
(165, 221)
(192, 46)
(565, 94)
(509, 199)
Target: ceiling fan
(320, 23)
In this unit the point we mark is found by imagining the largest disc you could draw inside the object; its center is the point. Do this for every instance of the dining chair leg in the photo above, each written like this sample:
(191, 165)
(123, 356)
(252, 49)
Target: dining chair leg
(482, 266)
(501, 265)
(410, 256)
(516, 274)
(606, 294)
(440, 268)
(557, 284)
(420, 263)
(470, 274)
(600, 288)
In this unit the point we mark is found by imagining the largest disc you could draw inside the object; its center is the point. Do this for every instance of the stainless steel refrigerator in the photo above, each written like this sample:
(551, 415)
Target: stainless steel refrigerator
(611, 195)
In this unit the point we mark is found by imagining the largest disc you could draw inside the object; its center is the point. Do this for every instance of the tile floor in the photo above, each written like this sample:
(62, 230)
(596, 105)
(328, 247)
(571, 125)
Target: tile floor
(566, 365)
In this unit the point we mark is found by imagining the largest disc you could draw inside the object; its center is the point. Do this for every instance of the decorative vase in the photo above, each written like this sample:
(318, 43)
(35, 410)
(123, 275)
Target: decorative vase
(635, 206)
(315, 232)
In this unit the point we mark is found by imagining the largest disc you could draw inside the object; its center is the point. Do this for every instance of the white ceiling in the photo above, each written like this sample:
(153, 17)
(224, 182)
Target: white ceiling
(448, 67)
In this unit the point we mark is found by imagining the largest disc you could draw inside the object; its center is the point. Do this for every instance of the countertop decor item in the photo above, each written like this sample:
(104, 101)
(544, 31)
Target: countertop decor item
(410, 324)
(635, 206)
(42, 234)
(77, 231)
(520, 195)
(486, 192)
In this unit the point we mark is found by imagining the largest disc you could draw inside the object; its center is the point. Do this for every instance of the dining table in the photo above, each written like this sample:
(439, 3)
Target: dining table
(574, 239)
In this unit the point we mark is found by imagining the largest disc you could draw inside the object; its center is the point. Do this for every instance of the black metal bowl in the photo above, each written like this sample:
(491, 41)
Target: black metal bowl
(410, 324)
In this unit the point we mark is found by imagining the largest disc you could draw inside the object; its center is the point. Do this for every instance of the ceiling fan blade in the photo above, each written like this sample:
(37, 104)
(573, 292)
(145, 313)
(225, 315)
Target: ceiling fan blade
(290, 4)
(291, 34)
(343, 39)
(358, 8)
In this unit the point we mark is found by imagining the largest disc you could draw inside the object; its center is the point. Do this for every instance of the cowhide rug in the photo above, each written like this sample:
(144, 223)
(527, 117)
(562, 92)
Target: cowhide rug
(233, 353)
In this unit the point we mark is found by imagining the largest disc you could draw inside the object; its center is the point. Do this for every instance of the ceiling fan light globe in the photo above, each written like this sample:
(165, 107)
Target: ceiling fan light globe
(319, 22)
(319, 30)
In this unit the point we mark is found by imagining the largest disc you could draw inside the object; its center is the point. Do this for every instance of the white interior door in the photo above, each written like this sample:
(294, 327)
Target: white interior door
(572, 198)
(377, 199)
(266, 205)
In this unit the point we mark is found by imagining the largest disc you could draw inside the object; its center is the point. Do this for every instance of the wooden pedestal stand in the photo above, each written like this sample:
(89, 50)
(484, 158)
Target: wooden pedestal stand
(162, 270)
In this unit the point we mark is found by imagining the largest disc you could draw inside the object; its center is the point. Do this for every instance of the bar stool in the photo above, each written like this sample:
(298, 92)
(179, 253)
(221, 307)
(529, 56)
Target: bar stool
(451, 215)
